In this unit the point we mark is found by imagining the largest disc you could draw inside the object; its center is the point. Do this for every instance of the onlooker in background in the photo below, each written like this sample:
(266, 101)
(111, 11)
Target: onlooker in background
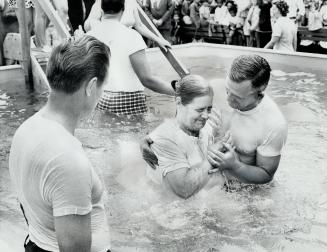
(185, 11)
(323, 12)
(253, 21)
(284, 30)
(314, 17)
(76, 13)
(195, 16)
(175, 31)
(235, 36)
(296, 10)
(204, 12)
(221, 13)
(263, 33)
(29, 13)
(42, 21)
(160, 12)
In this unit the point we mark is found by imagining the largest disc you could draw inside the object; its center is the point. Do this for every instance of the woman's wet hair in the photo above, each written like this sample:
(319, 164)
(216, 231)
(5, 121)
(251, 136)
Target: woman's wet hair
(282, 6)
(76, 61)
(250, 67)
(190, 87)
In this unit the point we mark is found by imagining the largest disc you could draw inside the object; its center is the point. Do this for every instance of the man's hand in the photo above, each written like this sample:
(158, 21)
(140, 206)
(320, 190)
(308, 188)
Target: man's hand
(162, 43)
(159, 22)
(147, 154)
(223, 161)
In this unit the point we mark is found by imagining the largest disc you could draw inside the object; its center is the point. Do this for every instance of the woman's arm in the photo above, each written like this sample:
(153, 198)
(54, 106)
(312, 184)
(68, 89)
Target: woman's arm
(187, 181)
(94, 16)
(272, 42)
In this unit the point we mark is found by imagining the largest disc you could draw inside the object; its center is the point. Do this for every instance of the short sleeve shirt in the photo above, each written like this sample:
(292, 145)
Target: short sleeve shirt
(285, 29)
(53, 177)
(123, 42)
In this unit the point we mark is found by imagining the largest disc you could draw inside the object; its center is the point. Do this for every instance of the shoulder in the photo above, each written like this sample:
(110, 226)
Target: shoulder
(166, 130)
(274, 115)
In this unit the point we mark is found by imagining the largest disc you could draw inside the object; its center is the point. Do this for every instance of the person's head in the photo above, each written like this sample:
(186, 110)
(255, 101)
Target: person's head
(324, 2)
(280, 8)
(112, 6)
(194, 102)
(219, 3)
(247, 78)
(254, 2)
(205, 3)
(79, 66)
(233, 10)
(229, 4)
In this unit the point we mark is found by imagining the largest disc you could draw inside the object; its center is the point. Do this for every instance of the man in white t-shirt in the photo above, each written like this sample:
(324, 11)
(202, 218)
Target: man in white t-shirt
(129, 69)
(256, 125)
(60, 193)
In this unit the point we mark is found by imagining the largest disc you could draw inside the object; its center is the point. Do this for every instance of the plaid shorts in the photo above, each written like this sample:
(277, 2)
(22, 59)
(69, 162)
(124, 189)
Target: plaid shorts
(123, 103)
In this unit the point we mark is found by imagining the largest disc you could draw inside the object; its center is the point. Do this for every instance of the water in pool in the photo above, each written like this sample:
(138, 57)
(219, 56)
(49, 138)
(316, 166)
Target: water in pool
(289, 214)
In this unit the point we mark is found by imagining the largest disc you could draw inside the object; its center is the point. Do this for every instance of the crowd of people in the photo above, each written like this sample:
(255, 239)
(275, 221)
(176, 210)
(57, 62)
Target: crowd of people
(250, 22)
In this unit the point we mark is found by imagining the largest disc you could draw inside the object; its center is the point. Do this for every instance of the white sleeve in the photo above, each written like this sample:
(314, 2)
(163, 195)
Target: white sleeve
(68, 185)
(135, 42)
(277, 30)
(274, 142)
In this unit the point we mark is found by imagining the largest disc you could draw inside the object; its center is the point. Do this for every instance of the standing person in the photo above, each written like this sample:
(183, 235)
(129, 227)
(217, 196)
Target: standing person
(323, 12)
(130, 18)
(129, 71)
(41, 20)
(252, 21)
(160, 12)
(284, 35)
(195, 17)
(264, 31)
(29, 14)
(59, 191)
(296, 10)
(257, 127)
(314, 17)
(76, 13)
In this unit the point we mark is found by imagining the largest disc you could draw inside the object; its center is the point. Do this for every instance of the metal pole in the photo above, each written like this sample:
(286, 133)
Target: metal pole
(25, 43)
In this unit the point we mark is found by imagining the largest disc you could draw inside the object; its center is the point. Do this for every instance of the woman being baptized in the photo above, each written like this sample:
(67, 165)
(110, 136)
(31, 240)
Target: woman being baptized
(181, 143)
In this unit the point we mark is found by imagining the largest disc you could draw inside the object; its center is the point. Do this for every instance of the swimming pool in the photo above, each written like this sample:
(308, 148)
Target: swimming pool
(286, 215)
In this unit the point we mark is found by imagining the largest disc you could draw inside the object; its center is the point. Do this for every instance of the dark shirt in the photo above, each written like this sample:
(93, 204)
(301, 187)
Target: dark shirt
(264, 17)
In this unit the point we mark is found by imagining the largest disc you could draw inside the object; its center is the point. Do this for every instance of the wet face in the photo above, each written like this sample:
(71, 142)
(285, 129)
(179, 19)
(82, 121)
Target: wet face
(219, 3)
(195, 114)
(241, 96)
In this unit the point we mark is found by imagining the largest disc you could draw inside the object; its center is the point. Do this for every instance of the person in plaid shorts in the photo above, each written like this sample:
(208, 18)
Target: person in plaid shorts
(129, 71)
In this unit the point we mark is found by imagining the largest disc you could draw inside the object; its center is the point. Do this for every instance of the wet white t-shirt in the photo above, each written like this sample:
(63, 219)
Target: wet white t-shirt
(285, 29)
(123, 42)
(176, 149)
(53, 177)
(260, 130)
